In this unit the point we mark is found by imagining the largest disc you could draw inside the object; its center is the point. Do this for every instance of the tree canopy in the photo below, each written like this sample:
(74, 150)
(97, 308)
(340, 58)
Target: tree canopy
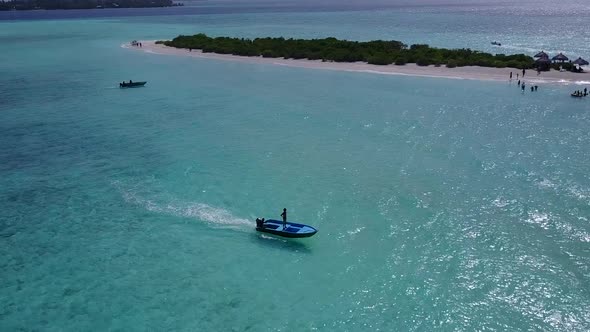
(378, 52)
(81, 4)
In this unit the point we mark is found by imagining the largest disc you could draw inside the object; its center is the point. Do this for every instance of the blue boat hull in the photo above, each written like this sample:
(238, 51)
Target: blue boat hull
(292, 230)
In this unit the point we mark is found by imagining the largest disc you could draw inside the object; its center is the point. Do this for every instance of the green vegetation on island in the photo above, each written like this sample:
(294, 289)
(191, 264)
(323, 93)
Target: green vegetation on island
(82, 4)
(377, 52)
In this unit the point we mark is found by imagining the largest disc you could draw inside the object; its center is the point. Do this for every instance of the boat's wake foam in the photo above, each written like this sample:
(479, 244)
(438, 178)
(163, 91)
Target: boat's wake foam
(213, 216)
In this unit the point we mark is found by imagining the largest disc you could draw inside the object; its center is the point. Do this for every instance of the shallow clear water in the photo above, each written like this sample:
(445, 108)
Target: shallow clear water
(449, 204)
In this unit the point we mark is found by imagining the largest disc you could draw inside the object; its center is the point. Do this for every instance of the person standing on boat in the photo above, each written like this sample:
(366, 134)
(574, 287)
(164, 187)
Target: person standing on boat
(284, 215)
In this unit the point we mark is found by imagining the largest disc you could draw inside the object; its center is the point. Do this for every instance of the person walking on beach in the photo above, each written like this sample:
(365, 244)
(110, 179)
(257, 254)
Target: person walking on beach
(523, 72)
(516, 75)
(284, 215)
(518, 81)
(510, 75)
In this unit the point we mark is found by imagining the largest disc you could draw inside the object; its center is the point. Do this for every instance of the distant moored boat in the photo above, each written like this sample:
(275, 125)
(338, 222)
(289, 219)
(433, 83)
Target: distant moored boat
(131, 84)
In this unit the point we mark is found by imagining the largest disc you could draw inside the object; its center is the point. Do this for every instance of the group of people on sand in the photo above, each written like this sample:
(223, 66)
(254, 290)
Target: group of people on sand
(260, 222)
(580, 93)
(517, 74)
(136, 43)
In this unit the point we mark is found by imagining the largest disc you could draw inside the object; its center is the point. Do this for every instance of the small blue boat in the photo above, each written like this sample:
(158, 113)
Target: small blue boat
(292, 230)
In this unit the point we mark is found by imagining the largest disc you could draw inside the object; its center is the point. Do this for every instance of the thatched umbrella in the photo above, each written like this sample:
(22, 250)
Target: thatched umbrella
(543, 63)
(581, 62)
(541, 55)
(560, 57)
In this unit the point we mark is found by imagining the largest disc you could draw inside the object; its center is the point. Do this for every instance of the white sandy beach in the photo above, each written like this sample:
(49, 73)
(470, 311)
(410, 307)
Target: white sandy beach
(469, 72)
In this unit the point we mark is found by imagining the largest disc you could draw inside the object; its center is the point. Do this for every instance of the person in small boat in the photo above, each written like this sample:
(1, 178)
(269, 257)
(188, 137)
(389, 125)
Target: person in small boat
(259, 222)
(284, 215)
(130, 81)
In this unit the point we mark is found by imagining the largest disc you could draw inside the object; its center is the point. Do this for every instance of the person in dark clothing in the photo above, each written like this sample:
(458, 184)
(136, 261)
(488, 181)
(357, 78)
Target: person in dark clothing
(532, 88)
(523, 71)
(259, 222)
(585, 91)
(536, 87)
(510, 75)
(284, 215)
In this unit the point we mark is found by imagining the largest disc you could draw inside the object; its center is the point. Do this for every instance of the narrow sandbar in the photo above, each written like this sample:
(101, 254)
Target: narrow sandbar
(411, 69)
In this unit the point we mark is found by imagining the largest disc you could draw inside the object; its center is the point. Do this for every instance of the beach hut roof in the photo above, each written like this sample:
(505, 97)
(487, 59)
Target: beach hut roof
(560, 57)
(581, 62)
(541, 55)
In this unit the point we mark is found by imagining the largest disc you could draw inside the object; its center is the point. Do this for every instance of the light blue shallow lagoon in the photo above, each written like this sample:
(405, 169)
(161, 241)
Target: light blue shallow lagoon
(440, 204)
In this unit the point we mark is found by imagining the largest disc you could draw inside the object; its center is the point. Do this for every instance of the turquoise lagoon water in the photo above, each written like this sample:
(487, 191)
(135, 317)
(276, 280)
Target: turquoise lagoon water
(441, 204)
